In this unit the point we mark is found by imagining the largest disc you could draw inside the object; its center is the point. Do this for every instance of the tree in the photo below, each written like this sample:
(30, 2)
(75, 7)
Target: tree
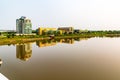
(50, 32)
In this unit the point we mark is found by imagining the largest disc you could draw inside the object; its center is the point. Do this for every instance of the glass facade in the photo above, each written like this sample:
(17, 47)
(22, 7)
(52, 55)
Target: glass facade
(23, 26)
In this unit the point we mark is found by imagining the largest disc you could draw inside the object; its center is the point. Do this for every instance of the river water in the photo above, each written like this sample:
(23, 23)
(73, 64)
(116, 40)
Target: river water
(62, 59)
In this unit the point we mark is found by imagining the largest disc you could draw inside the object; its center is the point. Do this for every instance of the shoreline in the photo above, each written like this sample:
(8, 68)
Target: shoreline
(8, 41)
(19, 40)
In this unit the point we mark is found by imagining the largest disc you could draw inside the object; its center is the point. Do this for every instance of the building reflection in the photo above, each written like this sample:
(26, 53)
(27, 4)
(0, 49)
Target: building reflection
(24, 51)
(46, 43)
(68, 41)
(53, 42)
(80, 39)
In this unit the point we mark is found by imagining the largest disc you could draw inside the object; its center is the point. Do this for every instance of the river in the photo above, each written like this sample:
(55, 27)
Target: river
(62, 59)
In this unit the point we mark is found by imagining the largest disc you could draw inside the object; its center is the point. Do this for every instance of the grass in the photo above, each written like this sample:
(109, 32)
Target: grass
(23, 39)
(19, 40)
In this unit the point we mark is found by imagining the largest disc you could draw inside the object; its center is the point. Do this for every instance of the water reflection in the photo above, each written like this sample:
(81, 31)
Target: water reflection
(46, 43)
(80, 39)
(53, 42)
(94, 59)
(1, 62)
(69, 41)
(24, 51)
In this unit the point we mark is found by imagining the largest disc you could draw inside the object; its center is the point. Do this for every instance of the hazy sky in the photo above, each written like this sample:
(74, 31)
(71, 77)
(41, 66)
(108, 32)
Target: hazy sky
(82, 14)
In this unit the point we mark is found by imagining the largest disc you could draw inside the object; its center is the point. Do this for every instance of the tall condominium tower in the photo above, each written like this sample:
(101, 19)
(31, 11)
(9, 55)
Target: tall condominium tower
(23, 26)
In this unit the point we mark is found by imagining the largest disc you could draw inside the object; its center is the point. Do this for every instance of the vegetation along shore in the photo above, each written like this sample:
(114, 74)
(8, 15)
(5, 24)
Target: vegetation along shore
(11, 38)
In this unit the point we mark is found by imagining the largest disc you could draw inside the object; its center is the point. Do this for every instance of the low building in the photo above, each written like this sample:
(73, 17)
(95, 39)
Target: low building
(42, 31)
(66, 29)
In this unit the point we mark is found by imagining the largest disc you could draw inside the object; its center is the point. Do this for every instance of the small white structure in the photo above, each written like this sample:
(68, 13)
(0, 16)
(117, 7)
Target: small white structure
(2, 77)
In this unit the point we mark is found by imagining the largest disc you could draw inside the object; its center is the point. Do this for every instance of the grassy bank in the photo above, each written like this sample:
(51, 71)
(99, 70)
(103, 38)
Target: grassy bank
(8, 41)
(24, 39)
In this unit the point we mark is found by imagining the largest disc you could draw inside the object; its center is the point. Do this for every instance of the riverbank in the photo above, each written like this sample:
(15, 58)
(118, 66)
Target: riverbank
(7, 41)
(19, 40)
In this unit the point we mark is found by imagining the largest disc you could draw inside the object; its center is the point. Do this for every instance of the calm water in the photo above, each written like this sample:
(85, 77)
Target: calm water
(65, 59)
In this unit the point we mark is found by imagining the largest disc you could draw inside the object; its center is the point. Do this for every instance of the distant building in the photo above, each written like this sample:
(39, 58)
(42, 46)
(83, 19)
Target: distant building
(23, 26)
(66, 29)
(42, 31)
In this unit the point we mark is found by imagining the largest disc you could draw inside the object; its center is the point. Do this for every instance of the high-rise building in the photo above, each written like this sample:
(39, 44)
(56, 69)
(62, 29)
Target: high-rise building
(23, 26)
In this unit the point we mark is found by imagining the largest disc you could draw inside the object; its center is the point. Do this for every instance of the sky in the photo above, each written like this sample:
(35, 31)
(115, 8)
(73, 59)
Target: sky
(81, 14)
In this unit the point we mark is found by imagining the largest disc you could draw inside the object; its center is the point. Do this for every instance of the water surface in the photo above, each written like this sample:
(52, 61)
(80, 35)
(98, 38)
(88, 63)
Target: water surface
(64, 59)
